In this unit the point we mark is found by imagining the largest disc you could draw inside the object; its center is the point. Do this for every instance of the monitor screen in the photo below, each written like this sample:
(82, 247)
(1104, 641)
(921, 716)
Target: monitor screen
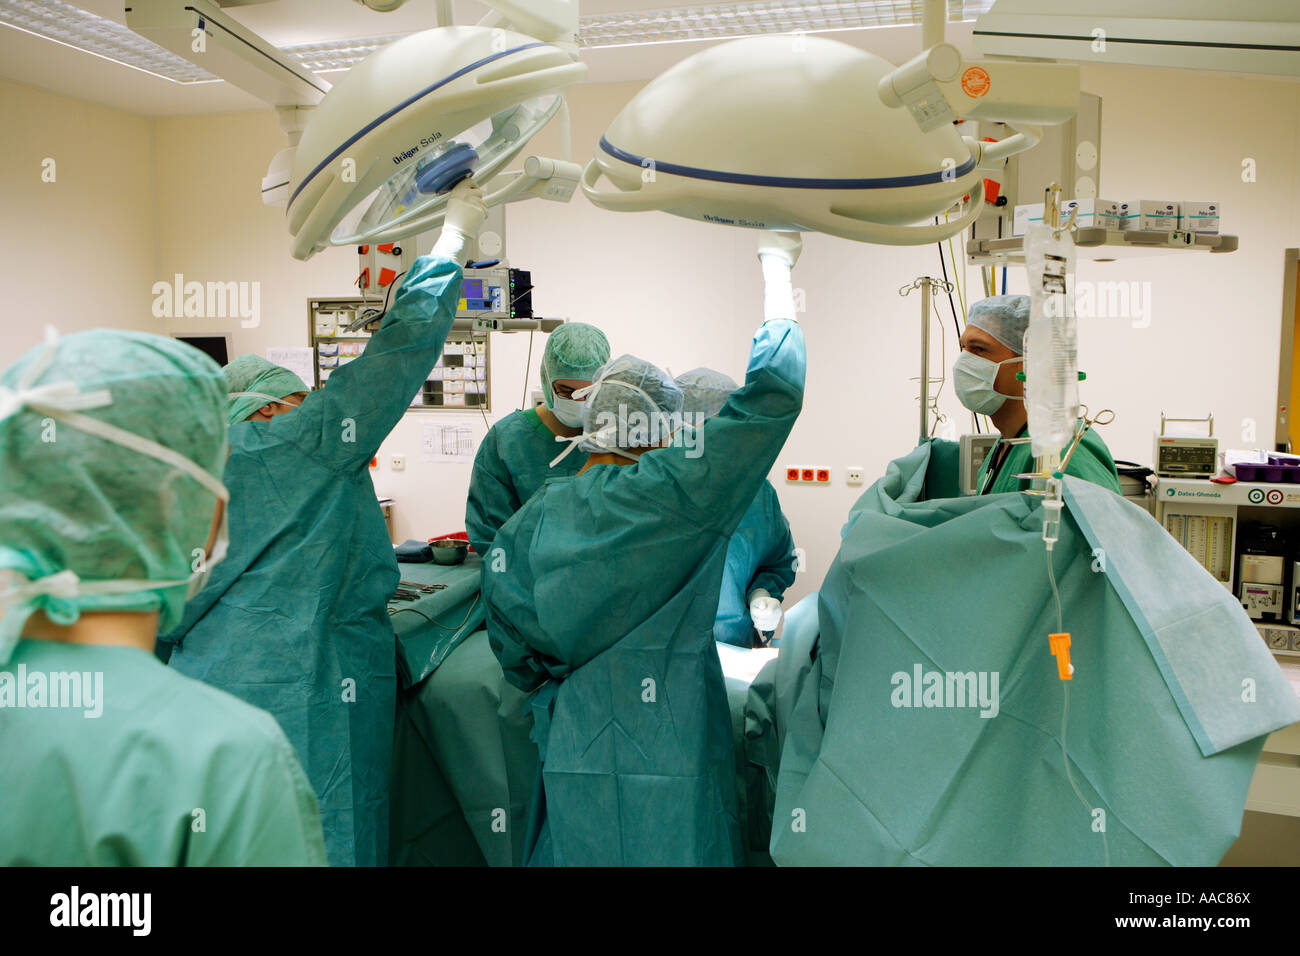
(215, 347)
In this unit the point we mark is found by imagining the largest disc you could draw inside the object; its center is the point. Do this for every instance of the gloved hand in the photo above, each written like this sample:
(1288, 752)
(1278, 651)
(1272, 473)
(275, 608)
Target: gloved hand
(764, 610)
(465, 215)
(777, 253)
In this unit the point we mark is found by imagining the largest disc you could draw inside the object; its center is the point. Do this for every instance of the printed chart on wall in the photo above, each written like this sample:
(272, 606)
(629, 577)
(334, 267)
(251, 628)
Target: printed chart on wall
(448, 442)
(300, 361)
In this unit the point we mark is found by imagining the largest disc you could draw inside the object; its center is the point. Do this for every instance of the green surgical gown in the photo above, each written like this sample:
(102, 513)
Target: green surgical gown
(1091, 461)
(295, 619)
(759, 555)
(605, 605)
(512, 463)
(169, 773)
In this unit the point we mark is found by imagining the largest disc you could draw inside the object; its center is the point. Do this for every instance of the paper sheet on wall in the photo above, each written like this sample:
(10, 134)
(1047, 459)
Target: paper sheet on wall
(299, 361)
(447, 443)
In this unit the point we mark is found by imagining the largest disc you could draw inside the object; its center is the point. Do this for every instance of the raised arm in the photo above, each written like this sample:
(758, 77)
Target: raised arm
(345, 423)
(713, 482)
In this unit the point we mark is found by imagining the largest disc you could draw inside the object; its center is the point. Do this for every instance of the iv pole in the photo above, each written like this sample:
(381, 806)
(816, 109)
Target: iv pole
(926, 284)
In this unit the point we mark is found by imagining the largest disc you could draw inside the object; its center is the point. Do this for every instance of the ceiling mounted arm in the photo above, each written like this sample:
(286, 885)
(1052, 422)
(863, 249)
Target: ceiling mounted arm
(552, 21)
(201, 32)
(204, 34)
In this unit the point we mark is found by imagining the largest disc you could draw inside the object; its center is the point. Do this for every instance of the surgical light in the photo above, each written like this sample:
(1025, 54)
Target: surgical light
(785, 133)
(413, 119)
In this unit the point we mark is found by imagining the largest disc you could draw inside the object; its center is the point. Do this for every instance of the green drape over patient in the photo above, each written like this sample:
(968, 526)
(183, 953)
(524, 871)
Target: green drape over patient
(1172, 694)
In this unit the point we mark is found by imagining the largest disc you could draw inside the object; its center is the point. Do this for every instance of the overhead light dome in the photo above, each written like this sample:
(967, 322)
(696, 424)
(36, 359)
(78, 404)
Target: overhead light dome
(785, 133)
(406, 124)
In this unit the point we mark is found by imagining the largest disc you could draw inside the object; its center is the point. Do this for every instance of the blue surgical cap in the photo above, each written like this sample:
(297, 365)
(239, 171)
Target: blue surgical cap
(1005, 317)
(704, 391)
(636, 396)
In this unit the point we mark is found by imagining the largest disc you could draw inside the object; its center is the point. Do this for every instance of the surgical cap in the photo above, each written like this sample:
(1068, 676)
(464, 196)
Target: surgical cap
(574, 350)
(1005, 317)
(704, 391)
(636, 396)
(252, 373)
(71, 500)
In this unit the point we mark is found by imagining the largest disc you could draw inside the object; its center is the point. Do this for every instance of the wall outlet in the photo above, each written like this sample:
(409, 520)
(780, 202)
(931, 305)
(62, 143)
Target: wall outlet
(814, 475)
(398, 462)
(853, 475)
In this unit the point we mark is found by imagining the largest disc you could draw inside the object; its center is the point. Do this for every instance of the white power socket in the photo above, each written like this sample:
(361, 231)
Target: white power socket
(853, 475)
(398, 462)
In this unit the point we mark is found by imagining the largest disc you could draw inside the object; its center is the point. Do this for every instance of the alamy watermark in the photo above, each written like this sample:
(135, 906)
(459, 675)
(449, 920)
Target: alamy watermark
(130, 910)
(76, 690)
(208, 300)
(923, 688)
(1109, 300)
(633, 428)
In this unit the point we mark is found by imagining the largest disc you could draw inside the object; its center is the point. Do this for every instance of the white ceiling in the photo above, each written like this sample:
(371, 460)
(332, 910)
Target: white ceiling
(39, 62)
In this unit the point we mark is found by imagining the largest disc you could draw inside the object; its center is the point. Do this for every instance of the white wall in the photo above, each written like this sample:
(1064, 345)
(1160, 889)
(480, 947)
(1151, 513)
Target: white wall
(77, 252)
(685, 294)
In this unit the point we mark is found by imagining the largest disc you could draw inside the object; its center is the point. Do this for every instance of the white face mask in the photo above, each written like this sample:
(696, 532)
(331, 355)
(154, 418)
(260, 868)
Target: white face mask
(973, 378)
(567, 410)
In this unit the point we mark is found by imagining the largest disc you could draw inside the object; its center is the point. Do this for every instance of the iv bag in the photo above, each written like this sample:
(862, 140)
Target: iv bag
(1051, 341)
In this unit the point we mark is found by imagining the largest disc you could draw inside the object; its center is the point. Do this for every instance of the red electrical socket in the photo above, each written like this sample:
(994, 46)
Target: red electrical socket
(806, 475)
(823, 475)
(374, 462)
(792, 474)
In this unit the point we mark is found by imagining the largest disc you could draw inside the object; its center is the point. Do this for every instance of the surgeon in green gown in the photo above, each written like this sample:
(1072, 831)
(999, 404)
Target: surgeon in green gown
(516, 454)
(605, 602)
(295, 620)
(495, 767)
(112, 445)
(761, 557)
(986, 383)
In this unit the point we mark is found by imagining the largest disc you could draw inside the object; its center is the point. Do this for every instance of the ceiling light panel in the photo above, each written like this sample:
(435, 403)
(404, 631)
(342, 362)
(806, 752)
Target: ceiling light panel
(72, 26)
(752, 19)
(64, 23)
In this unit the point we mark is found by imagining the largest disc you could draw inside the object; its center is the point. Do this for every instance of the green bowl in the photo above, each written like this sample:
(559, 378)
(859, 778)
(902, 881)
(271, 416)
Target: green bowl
(449, 551)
